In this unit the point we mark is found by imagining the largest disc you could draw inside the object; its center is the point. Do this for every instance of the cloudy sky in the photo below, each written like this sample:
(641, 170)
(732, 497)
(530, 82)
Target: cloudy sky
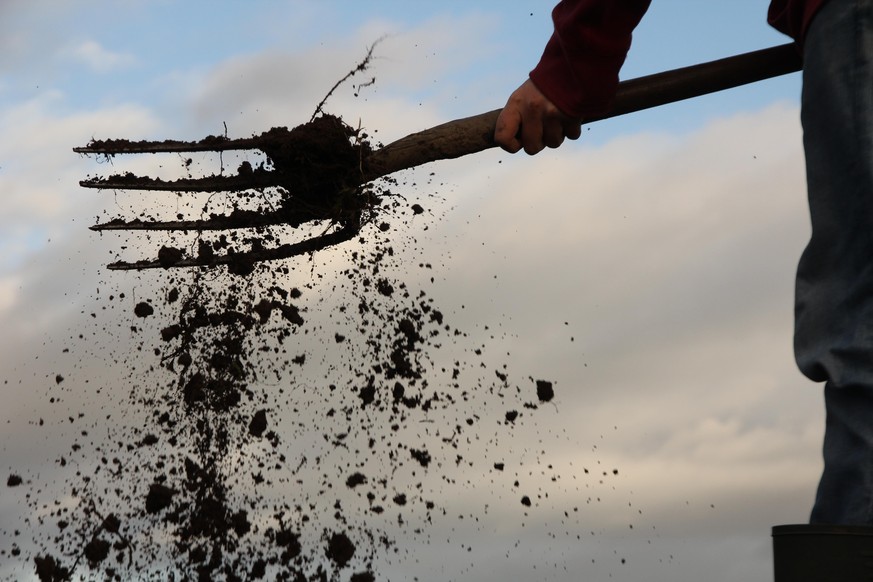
(647, 269)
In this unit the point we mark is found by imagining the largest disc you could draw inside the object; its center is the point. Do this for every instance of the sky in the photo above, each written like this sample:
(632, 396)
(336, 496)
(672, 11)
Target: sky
(646, 268)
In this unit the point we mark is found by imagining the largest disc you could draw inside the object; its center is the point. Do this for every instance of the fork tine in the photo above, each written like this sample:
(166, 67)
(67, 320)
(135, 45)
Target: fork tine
(208, 144)
(284, 251)
(215, 223)
(258, 178)
(237, 219)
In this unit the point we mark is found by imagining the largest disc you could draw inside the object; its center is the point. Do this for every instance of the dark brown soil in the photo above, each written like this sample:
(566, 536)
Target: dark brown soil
(340, 549)
(545, 391)
(226, 352)
(318, 165)
(206, 333)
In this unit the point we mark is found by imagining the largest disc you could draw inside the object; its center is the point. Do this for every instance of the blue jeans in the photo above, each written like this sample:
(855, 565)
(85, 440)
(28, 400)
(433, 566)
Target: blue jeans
(834, 292)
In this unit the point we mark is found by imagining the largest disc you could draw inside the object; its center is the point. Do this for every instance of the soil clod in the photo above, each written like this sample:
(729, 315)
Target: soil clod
(340, 549)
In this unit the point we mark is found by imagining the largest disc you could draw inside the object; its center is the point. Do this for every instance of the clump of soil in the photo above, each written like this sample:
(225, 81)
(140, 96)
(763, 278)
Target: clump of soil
(320, 163)
(340, 549)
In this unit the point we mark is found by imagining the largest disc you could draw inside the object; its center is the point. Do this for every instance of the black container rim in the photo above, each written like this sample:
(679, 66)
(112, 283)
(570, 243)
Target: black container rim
(820, 529)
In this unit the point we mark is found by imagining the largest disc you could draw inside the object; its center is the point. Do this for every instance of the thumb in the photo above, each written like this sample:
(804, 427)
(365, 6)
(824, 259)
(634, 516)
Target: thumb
(507, 128)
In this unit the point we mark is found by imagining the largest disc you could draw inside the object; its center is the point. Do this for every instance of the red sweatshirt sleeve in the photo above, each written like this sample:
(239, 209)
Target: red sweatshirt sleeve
(578, 71)
(793, 16)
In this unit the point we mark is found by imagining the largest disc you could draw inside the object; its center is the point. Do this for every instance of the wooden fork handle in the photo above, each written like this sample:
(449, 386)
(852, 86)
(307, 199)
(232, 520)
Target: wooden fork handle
(474, 134)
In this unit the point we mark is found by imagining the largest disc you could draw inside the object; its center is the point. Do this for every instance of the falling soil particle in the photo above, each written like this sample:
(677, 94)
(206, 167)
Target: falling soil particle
(48, 570)
(290, 542)
(111, 523)
(159, 498)
(13, 480)
(422, 456)
(367, 395)
(545, 392)
(258, 424)
(169, 256)
(355, 479)
(340, 549)
(143, 309)
(96, 551)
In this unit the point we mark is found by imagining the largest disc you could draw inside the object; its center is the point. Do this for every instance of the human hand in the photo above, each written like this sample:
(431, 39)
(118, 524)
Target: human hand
(530, 121)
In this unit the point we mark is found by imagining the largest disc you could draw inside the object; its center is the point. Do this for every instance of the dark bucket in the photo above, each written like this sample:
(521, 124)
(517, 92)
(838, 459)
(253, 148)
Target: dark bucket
(823, 553)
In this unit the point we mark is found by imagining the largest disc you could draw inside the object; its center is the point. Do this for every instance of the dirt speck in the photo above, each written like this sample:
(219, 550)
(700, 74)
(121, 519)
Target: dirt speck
(545, 391)
(159, 498)
(258, 424)
(340, 549)
(143, 309)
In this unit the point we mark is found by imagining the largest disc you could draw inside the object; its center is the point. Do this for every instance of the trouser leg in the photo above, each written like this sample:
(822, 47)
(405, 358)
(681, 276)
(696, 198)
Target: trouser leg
(845, 492)
(834, 292)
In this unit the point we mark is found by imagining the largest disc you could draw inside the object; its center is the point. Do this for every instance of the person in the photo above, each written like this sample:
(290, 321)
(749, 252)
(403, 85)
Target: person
(577, 77)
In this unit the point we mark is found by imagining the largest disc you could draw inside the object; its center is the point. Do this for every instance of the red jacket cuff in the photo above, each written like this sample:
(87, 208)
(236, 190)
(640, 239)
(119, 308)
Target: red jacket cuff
(578, 71)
